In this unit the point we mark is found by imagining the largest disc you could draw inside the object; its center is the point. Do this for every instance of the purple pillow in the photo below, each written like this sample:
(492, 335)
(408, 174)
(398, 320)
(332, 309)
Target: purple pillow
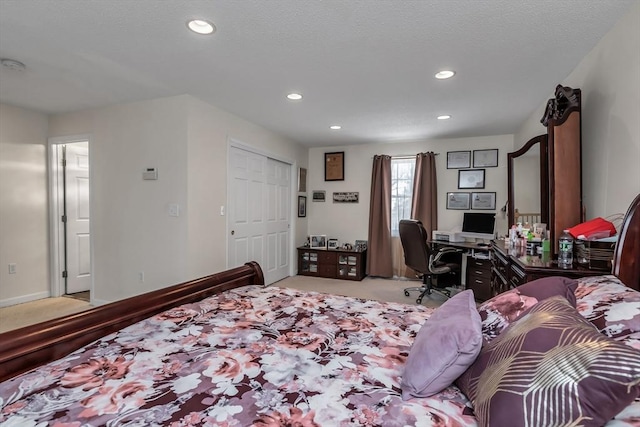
(551, 366)
(498, 312)
(445, 346)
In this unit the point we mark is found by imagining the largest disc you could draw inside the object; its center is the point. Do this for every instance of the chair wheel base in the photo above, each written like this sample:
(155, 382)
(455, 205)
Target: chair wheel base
(419, 300)
(406, 293)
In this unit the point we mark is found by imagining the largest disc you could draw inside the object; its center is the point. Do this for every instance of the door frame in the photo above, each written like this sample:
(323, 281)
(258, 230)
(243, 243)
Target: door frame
(234, 142)
(55, 229)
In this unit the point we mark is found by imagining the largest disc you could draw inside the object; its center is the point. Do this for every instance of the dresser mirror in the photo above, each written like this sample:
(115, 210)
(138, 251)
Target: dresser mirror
(528, 183)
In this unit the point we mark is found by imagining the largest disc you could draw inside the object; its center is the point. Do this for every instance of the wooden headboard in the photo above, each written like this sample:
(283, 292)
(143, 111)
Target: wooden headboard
(626, 256)
(26, 348)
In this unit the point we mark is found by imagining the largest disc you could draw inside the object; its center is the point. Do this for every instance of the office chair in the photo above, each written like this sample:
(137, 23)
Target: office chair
(419, 257)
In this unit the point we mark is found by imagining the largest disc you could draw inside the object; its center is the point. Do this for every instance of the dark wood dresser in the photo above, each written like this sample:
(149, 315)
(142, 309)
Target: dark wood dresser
(332, 263)
(512, 266)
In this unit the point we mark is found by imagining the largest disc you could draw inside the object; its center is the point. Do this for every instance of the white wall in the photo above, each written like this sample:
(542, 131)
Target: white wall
(348, 222)
(131, 229)
(23, 205)
(609, 77)
(187, 141)
(209, 131)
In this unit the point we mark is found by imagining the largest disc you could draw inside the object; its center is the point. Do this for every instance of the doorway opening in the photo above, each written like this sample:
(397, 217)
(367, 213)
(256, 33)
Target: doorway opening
(71, 258)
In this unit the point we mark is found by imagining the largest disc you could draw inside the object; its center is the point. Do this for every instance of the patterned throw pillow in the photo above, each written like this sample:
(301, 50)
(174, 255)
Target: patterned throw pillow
(551, 367)
(611, 306)
(498, 312)
(446, 345)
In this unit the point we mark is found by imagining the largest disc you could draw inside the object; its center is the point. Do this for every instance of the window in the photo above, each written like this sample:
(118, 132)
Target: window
(402, 171)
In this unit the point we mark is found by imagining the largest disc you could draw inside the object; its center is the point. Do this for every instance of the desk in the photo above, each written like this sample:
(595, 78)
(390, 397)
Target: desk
(475, 266)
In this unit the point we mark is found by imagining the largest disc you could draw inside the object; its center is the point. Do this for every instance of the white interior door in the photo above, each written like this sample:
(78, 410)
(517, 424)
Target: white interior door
(245, 215)
(258, 214)
(78, 239)
(277, 221)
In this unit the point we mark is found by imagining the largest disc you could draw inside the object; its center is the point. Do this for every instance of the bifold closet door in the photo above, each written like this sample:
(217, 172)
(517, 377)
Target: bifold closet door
(259, 208)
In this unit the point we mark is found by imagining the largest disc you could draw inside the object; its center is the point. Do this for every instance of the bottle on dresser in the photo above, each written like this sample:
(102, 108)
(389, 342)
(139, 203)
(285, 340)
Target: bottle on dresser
(565, 250)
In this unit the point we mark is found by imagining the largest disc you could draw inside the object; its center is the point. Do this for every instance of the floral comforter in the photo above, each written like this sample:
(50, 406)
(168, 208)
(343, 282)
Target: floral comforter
(247, 357)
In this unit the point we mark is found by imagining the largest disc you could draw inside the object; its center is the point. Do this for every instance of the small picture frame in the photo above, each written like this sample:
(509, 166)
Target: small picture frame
(318, 241)
(458, 201)
(458, 159)
(471, 178)
(334, 166)
(332, 244)
(346, 197)
(302, 206)
(485, 158)
(318, 196)
(302, 180)
(360, 245)
(483, 201)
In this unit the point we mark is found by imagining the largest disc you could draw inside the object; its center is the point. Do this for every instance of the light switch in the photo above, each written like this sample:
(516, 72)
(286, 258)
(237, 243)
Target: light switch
(174, 209)
(222, 210)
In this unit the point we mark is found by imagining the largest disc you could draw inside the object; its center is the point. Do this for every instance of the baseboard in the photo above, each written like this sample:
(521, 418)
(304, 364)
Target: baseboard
(24, 298)
(96, 302)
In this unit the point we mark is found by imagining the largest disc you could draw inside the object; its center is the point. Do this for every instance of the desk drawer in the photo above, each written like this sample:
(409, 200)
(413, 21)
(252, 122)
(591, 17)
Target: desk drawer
(476, 264)
(479, 278)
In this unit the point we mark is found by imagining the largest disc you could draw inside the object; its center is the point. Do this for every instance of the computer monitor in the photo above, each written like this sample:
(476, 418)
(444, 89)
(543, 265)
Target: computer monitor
(478, 225)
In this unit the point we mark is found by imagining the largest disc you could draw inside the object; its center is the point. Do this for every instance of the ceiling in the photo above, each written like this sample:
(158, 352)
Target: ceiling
(366, 65)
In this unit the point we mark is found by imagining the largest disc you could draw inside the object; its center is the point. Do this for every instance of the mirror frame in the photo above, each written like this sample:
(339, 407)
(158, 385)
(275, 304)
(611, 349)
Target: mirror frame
(544, 178)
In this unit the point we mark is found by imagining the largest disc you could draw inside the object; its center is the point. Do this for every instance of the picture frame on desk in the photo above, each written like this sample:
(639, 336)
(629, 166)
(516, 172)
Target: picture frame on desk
(332, 244)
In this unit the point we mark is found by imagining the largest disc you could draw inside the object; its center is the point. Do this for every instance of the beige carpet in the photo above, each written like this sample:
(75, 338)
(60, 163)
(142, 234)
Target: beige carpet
(20, 315)
(17, 316)
(369, 288)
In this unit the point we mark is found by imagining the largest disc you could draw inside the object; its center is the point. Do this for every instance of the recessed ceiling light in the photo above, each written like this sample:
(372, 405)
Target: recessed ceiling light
(201, 26)
(335, 127)
(294, 96)
(445, 74)
(444, 117)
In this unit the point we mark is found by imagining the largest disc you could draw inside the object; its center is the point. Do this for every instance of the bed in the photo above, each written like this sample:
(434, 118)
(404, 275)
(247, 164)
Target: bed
(225, 350)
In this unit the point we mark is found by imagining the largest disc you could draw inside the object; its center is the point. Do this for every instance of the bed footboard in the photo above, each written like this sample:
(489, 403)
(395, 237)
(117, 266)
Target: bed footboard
(26, 348)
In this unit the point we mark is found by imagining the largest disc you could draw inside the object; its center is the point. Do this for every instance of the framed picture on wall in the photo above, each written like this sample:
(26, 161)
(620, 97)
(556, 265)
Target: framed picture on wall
(302, 180)
(485, 201)
(334, 166)
(485, 158)
(318, 196)
(302, 206)
(471, 178)
(458, 201)
(458, 159)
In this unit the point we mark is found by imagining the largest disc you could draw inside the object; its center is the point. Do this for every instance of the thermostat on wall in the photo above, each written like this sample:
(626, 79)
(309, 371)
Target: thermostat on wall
(150, 173)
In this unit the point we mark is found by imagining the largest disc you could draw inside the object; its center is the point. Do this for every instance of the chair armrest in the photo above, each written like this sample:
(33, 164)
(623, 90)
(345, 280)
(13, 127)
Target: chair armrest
(443, 251)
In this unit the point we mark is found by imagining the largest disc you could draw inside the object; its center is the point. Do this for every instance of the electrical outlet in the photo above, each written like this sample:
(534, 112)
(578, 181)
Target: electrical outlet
(12, 268)
(141, 277)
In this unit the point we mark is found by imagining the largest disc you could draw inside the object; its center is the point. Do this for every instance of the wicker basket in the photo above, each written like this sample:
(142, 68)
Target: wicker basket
(595, 255)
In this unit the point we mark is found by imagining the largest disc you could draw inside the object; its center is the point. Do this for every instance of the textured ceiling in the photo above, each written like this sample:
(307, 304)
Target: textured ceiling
(366, 65)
